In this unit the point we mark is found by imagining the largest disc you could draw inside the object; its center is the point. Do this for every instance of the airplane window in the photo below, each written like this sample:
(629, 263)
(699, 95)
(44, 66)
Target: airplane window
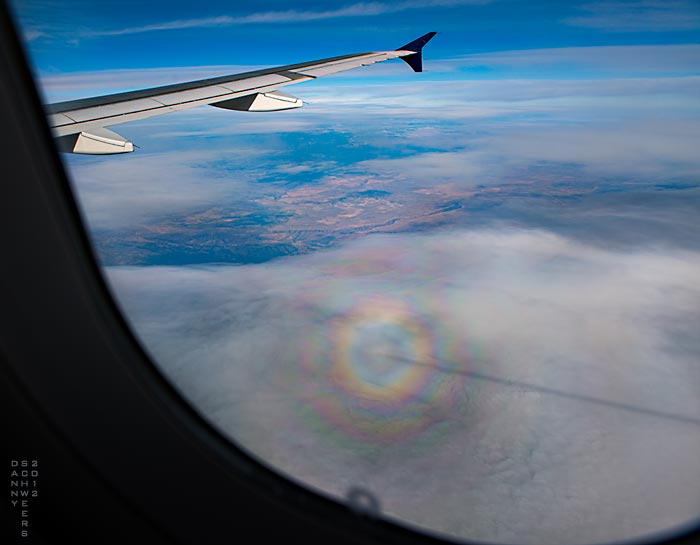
(461, 294)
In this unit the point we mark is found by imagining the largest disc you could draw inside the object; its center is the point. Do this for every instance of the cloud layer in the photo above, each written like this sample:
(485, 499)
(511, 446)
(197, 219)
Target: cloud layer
(607, 160)
(639, 16)
(501, 385)
(360, 9)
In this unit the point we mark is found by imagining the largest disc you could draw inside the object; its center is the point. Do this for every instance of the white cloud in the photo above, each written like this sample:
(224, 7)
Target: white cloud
(621, 59)
(639, 16)
(633, 150)
(229, 123)
(504, 386)
(639, 129)
(361, 9)
(655, 149)
(483, 98)
(130, 191)
(30, 33)
(464, 167)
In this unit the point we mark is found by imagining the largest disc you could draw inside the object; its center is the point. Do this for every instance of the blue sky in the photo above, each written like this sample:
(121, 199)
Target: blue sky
(83, 35)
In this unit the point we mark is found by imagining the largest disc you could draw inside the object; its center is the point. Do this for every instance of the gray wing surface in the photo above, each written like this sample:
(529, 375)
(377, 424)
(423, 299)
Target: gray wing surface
(79, 126)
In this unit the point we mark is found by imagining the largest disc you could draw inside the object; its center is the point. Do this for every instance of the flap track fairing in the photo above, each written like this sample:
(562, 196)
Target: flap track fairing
(272, 101)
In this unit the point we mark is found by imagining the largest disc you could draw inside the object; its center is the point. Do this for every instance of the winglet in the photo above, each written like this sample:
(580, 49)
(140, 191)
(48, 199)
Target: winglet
(415, 59)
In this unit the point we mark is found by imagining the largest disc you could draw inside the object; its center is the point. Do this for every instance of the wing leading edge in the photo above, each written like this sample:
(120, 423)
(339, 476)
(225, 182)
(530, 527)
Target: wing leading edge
(79, 125)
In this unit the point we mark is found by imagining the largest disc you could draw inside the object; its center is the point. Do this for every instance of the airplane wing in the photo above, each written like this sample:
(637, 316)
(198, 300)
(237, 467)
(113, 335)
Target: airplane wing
(79, 125)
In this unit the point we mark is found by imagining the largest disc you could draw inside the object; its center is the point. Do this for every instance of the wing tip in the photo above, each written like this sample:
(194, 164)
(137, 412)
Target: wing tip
(415, 59)
(417, 45)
